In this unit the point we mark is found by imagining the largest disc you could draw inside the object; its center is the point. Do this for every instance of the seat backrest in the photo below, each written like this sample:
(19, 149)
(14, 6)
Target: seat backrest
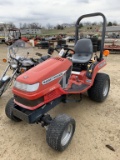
(83, 51)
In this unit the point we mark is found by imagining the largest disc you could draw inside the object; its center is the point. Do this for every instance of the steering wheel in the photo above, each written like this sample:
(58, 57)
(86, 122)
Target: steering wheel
(67, 53)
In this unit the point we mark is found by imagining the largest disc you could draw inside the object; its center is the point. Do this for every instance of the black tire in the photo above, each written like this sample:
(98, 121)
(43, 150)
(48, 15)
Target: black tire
(60, 132)
(8, 110)
(100, 89)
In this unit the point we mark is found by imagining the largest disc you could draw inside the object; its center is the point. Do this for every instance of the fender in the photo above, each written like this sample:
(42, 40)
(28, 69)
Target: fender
(5, 78)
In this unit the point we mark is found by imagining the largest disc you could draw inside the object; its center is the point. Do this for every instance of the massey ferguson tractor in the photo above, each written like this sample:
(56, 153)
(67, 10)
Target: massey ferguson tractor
(43, 87)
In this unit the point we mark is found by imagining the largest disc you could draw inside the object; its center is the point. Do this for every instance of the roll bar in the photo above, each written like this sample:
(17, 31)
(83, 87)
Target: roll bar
(103, 29)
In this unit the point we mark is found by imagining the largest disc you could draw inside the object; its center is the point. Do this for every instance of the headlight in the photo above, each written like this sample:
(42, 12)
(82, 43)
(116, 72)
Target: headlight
(13, 64)
(26, 87)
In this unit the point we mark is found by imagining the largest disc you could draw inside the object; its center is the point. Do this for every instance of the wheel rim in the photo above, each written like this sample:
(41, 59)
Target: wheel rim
(106, 88)
(67, 134)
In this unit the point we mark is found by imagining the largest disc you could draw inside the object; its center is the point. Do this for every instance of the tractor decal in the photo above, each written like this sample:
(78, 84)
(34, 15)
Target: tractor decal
(53, 78)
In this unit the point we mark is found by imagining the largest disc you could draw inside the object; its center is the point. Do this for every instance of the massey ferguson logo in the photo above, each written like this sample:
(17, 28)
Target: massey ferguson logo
(53, 78)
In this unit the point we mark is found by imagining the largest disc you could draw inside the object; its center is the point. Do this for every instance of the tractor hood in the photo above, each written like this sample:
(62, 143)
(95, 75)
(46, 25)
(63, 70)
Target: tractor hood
(47, 74)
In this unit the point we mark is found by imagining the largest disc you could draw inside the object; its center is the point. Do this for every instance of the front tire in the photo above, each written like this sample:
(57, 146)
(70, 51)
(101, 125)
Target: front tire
(100, 89)
(3, 86)
(60, 132)
(8, 111)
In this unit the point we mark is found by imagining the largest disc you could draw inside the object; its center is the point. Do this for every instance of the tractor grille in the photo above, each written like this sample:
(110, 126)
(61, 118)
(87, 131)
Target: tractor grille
(30, 103)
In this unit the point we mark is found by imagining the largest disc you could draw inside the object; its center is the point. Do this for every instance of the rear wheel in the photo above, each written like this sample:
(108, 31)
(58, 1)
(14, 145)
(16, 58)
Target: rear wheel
(8, 110)
(100, 89)
(60, 132)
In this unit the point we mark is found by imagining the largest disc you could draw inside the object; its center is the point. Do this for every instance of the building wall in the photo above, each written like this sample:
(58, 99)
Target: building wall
(31, 31)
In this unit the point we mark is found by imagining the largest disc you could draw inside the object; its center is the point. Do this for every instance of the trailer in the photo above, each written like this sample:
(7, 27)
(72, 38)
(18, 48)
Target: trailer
(112, 47)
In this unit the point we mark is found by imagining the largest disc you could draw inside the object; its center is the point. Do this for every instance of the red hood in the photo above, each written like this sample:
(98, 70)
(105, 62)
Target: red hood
(45, 70)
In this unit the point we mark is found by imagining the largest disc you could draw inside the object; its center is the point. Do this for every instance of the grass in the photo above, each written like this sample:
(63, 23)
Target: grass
(68, 31)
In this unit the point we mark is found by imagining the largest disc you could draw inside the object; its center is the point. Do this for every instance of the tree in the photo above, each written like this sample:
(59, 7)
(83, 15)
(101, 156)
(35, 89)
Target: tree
(34, 25)
(109, 24)
(115, 23)
(20, 25)
(30, 25)
(94, 24)
(11, 25)
(81, 25)
(87, 24)
(1, 28)
(24, 26)
(6, 26)
(49, 26)
(59, 27)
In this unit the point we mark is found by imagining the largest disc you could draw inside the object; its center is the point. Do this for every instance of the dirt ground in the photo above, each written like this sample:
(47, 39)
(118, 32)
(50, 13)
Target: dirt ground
(97, 125)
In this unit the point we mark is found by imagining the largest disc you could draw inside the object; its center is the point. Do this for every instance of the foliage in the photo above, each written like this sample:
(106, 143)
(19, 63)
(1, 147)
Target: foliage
(59, 27)
(81, 25)
(109, 24)
(30, 25)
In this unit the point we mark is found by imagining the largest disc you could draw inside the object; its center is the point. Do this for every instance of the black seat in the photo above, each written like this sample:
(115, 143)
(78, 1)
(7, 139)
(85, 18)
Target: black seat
(83, 51)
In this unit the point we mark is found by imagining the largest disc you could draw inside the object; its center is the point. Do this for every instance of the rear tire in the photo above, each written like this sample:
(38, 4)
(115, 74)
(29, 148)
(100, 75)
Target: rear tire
(60, 132)
(8, 111)
(100, 89)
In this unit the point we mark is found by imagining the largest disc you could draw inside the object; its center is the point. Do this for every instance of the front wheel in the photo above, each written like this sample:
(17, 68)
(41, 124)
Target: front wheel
(8, 111)
(100, 89)
(3, 86)
(60, 132)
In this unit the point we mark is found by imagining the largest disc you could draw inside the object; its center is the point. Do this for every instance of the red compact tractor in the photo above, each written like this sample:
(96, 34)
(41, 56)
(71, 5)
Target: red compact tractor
(46, 85)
